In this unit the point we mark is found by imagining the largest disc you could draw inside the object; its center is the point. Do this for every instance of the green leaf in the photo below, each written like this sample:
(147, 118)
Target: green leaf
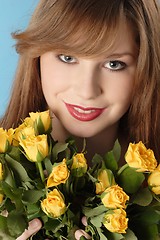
(111, 158)
(147, 232)
(101, 235)
(17, 168)
(110, 161)
(9, 191)
(97, 220)
(16, 223)
(94, 211)
(145, 224)
(39, 126)
(93, 231)
(114, 236)
(93, 179)
(48, 165)
(15, 153)
(32, 196)
(33, 211)
(14, 194)
(58, 148)
(130, 180)
(4, 233)
(97, 159)
(149, 216)
(130, 235)
(52, 224)
(143, 197)
(9, 177)
(117, 150)
(3, 223)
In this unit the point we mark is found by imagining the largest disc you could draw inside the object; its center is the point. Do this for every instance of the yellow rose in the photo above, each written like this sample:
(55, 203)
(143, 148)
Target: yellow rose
(116, 221)
(35, 147)
(79, 165)
(1, 172)
(42, 120)
(154, 180)
(28, 122)
(1, 198)
(6, 138)
(106, 179)
(114, 197)
(59, 174)
(23, 132)
(54, 204)
(141, 158)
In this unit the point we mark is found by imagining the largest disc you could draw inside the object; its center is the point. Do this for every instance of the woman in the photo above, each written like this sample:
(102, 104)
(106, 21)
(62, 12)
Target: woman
(96, 66)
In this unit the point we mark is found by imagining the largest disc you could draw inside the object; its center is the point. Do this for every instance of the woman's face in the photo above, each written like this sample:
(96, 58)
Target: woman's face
(88, 96)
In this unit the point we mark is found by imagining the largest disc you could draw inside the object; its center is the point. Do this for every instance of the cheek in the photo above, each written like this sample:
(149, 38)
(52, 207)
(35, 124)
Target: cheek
(121, 88)
(53, 83)
(118, 93)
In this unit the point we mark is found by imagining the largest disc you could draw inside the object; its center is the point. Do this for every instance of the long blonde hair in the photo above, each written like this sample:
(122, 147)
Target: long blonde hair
(87, 28)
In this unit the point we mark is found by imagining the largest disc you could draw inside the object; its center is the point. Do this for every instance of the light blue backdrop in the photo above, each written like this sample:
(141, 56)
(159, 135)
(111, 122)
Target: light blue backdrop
(14, 15)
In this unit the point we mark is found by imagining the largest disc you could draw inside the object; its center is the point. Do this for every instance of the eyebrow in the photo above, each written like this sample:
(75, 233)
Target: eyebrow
(119, 55)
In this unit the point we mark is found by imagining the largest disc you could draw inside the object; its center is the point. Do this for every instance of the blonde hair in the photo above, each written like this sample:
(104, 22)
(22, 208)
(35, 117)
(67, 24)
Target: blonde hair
(87, 28)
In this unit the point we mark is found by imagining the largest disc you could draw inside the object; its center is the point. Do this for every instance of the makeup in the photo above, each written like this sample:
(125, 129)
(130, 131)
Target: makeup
(84, 114)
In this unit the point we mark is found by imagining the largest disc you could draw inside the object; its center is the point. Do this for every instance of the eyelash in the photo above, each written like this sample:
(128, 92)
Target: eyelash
(61, 56)
(122, 65)
(74, 60)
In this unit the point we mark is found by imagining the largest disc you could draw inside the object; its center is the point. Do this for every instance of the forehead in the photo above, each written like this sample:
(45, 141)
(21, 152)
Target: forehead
(107, 40)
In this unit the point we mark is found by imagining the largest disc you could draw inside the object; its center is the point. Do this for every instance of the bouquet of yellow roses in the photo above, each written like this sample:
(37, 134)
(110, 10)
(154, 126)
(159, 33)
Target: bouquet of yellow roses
(42, 178)
(126, 202)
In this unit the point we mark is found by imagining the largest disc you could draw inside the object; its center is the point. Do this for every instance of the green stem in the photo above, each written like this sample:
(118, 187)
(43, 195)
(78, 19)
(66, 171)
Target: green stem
(39, 165)
(84, 145)
(122, 169)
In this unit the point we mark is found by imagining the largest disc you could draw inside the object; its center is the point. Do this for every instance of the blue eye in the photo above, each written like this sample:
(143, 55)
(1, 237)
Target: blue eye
(67, 59)
(115, 65)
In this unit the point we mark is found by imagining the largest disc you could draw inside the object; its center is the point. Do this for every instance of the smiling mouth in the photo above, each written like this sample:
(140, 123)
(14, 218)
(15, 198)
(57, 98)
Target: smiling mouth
(84, 114)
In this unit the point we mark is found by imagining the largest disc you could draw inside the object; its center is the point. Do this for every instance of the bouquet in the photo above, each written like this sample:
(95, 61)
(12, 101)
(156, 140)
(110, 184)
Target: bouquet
(45, 179)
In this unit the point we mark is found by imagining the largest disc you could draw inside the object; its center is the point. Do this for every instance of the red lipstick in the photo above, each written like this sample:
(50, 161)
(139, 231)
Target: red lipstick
(83, 114)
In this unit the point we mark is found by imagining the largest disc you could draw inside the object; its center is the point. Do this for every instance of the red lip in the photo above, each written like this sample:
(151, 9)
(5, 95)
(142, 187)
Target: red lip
(84, 114)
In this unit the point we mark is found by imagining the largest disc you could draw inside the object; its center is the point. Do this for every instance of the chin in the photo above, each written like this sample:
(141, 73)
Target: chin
(84, 134)
(83, 131)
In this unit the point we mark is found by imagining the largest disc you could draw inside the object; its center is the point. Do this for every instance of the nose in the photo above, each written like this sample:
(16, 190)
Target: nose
(88, 81)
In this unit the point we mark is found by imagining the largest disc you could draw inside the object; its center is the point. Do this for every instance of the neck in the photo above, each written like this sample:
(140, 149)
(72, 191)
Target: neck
(100, 143)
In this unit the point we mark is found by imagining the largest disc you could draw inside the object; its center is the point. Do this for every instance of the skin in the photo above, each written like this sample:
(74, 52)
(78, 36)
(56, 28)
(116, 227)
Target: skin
(104, 82)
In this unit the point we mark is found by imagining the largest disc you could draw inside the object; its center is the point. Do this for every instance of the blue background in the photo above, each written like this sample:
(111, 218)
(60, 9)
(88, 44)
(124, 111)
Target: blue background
(14, 15)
